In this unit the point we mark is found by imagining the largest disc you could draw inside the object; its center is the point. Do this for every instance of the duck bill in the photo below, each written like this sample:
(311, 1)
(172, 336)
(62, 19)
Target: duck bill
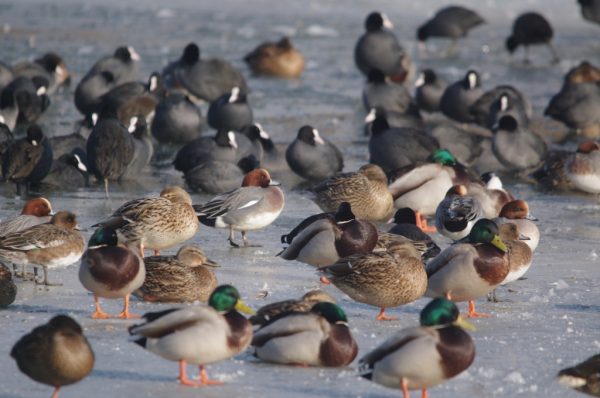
(242, 307)
(275, 183)
(530, 217)
(464, 324)
(499, 243)
(523, 237)
(211, 263)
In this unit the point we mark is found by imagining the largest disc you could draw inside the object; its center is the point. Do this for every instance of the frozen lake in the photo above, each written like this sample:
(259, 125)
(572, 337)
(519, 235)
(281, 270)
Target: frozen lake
(552, 318)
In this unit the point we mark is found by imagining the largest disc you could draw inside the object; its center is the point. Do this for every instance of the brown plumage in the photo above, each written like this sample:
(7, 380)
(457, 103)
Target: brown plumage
(8, 289)
(276, 59)
(181, 278)
(384, 279)
(366, 190)
(271, 311)
(56, 353)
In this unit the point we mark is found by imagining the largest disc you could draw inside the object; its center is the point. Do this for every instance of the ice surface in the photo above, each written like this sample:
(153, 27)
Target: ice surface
(549, 320)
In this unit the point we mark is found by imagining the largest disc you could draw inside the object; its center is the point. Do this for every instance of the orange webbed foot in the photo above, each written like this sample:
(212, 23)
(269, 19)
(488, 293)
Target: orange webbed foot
(383, 317)
(324, 280)
(99, 314)
(473, 314)
(205, 380)
(422, 223)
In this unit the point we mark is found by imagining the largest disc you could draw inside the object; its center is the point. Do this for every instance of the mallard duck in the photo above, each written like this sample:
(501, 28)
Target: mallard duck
(457, 213)
(53, 245)
(466, 271)
(422, 187)
(110, 271)
(423, 356)
(56, 353)
(320, 337)
(256, 204)
(384, 279)
(276, 59)
(8, 289)
(366, 190)
(330, 237)
(517, 212)
(272, 311)
(583, 377)
(35, 211)
(179, 278)
(155, 223)
(198, 334)
(405, 224)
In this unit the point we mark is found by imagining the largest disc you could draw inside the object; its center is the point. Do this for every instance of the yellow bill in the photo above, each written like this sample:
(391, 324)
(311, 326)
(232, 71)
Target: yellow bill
(463, 323)
(241, 306)
(499, 243)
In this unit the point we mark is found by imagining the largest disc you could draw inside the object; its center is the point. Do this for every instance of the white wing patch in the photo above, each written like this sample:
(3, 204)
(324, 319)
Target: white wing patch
(251, 203)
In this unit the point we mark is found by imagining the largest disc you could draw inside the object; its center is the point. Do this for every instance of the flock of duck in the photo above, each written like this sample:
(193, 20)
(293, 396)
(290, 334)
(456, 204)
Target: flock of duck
(415, 172)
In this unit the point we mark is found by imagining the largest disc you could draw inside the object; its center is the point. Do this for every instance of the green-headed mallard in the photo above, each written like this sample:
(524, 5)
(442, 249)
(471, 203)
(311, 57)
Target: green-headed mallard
(467, 271)
(271, 311)
(56, 353)
(320, 337)
(53, 245)
(110, 271)
(423, 356)
(155, 223)
(201, 334)
(366, 190)
(384, 279)
(324, 238)
(583, 377)
(180, 278)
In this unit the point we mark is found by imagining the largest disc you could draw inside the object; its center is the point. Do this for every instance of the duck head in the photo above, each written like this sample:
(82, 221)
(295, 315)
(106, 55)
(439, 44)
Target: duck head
(441, 312)
(377, 21)
(226, 298)
(176, 195)
(102, 237)
(330, 311)
(486, 231)
(258, 178)
(516, 210)
(39, 207)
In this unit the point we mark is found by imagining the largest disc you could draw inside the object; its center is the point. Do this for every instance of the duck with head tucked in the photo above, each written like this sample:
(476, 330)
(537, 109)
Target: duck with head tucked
(320, 337)
(53, 245)
(255, 205)
(35, 211)
(279, 59)
(272, 311)
(185, 277)
(201, 334)
(384, 279)
(469, 270)
(423, 356)
(583, 377)
(324, 239)
(56, 353)
(110, 271)
(155, 223)
(457, 213)
(366, 191)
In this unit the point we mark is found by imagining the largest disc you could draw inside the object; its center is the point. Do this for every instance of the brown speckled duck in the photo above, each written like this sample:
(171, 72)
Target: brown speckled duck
(366, 190)
(325, 238)
(8, 289)
(56, 353)
(276, 59)
(155, 223)
(273, 310)
(384, 279)
(110, 271)
(184, 277)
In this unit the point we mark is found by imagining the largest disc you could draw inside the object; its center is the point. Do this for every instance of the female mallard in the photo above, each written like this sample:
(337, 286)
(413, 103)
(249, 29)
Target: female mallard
(53, 245)
(180, 278)
(466, 271)
(366, 190)
(457, 213)
(110, 271)
(517, 212)
(57, 353)
(423, 356)
(320, 337)
(199, 334)
(329, 238)
(383, 279)
(276, 59)
(583, 377)
(271, 311)
(422, 187)
(8, 289)
(156, 223)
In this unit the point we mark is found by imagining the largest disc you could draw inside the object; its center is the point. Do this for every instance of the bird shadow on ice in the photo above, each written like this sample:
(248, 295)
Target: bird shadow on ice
(45, 309)
(128, 375)
(579, 307)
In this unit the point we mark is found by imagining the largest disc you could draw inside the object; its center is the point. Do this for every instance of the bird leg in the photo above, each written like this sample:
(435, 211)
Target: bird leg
(555, 57)
(325, 280)
(526, 59)
(55, 392)
(491, 297)
(383, 317)
(448, 296)
(205, 380)
(45, 281)
(231, 237)
(125, 314)
(183, 379)
(422, 223)
(156, 252)
(246, 241)
(451, 48)
(99, 314)
(424, 393)
(141, 247)
(106, 188)
(473, 314)
(405, 393)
